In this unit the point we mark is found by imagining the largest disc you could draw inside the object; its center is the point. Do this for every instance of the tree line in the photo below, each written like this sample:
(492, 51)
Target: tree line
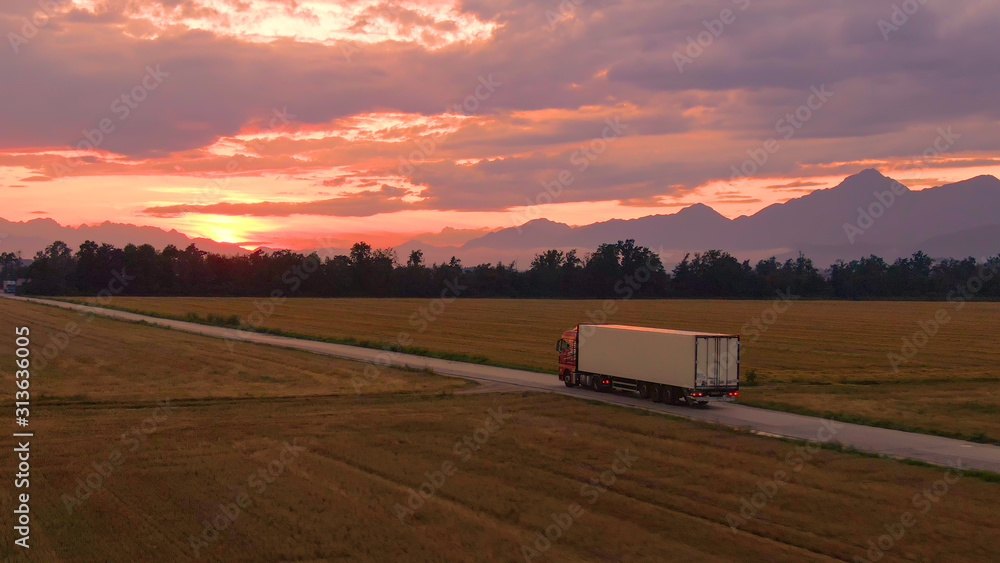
(614, 270)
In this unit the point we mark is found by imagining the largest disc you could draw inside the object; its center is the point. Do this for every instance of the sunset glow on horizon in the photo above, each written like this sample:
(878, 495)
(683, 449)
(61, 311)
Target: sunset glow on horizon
(272, 124)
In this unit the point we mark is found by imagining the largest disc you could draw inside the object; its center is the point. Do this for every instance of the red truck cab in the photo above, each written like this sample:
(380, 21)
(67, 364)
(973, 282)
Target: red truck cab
(567, 356)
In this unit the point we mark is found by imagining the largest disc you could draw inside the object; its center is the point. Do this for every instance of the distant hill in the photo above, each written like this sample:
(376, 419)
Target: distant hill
(31, 236)
(953, 220)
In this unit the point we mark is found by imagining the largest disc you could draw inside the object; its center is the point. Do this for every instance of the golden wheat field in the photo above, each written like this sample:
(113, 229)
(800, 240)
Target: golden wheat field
(816, 357)
(277, 453)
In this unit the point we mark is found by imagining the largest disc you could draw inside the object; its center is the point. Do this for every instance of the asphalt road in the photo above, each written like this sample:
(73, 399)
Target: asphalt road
(895, 443)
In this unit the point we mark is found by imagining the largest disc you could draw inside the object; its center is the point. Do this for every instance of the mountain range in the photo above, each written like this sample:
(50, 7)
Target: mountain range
(867, 213)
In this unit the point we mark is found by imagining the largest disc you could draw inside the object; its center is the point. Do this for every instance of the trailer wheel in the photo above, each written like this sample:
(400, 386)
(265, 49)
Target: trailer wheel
(669, 396)
(644, 390)
(657, 394)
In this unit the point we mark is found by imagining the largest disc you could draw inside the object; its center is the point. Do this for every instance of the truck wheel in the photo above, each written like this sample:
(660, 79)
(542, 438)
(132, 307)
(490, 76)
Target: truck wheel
(644, 390)
(669, 396)
(568, 379)
(657, 394)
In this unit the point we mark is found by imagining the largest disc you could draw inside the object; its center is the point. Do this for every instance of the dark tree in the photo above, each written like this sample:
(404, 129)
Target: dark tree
(620, 270)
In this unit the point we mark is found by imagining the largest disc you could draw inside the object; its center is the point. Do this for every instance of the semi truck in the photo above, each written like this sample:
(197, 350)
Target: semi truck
(9, 286)
(665, 366)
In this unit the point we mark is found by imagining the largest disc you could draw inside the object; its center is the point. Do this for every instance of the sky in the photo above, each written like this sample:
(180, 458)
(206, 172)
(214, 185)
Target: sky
(280, 123)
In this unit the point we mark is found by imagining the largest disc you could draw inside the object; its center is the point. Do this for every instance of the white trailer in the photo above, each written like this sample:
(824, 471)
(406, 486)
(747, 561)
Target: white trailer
(659, 364)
